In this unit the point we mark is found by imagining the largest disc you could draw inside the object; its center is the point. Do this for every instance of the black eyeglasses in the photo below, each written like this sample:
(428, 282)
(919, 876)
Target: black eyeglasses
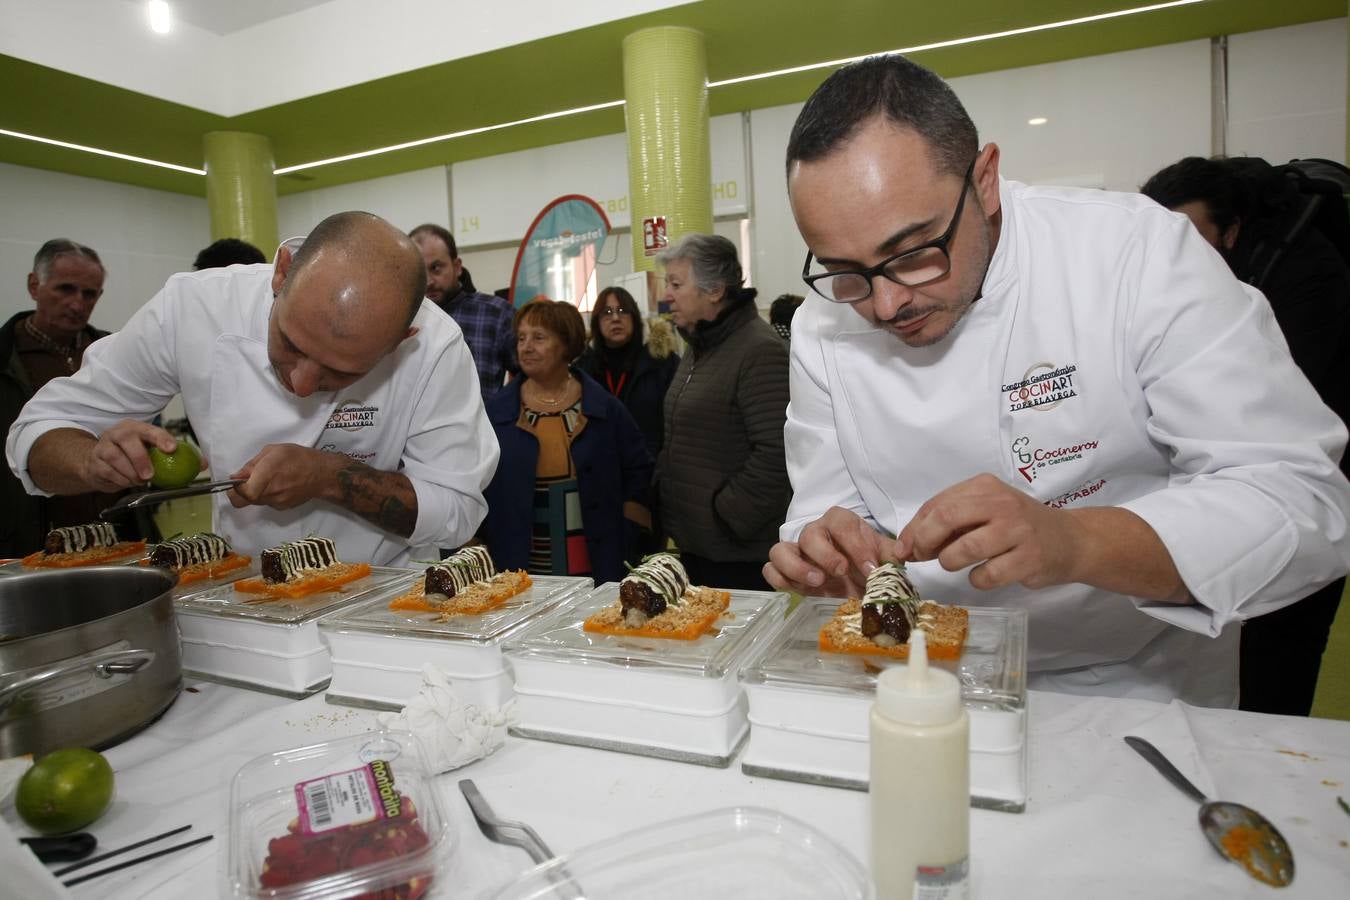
(912, 268)
(613, 312)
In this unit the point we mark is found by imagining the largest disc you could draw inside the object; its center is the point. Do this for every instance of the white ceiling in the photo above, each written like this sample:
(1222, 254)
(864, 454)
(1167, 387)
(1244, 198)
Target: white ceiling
(269, 52)
(224, 17)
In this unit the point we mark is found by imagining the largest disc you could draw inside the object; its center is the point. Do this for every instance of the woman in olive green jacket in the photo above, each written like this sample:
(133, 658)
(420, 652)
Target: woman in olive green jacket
(721, 475)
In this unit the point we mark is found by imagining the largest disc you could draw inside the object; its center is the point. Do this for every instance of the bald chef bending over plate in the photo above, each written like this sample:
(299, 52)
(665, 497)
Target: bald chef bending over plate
(1056, 399)
(350, 406)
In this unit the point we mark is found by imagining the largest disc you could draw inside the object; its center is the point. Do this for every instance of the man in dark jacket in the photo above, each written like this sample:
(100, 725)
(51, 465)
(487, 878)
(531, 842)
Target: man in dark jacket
(484, 318)
(1239, 206)
(35, 347)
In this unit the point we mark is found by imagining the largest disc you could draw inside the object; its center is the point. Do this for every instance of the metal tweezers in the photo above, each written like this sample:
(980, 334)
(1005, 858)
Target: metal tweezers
(518, 834)
(151, 498)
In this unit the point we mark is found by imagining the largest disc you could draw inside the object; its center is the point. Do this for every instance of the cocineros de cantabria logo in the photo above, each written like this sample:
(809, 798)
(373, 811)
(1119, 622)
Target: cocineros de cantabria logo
(1028, 460)
(1043, 387)
(352, 414)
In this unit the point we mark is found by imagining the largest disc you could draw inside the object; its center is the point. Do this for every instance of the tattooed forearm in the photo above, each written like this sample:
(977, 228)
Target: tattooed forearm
(386, 499)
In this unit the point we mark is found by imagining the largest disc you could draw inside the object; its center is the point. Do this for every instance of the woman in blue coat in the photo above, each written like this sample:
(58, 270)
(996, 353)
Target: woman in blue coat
(570, 493)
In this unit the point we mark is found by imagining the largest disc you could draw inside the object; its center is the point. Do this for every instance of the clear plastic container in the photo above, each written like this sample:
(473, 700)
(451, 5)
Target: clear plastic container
(378, 653)
(345, 818)
(233, 638)
(672, 699)
(745, 853)
(809, 708)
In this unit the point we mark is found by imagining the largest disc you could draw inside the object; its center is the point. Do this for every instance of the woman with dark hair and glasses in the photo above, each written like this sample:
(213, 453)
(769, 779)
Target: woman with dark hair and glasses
(570, 492)
(627, 367)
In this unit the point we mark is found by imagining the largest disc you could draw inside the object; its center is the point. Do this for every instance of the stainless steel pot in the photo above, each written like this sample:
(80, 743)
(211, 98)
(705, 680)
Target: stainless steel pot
(87, 656)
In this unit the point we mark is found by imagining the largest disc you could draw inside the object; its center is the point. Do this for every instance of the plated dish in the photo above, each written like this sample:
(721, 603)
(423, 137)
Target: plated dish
(94, 544)
(299, 569)
(465, 583)
(656, 600)
(880, 622)
(196, 558)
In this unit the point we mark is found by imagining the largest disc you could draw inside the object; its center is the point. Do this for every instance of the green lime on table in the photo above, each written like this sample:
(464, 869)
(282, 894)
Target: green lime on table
(176, 469)
(64, 791)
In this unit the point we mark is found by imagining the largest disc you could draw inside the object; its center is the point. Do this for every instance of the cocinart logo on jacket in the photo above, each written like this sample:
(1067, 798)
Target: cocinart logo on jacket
(1043, 387)
(352, 414)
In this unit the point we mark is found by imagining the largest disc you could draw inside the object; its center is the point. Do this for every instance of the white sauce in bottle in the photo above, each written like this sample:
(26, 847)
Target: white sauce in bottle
(920, 782)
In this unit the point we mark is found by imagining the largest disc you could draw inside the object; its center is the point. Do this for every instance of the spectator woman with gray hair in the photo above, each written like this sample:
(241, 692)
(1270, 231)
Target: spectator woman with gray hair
(721, 475)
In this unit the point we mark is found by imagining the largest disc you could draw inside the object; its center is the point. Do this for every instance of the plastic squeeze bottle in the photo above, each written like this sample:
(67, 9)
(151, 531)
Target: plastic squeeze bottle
(920, 782)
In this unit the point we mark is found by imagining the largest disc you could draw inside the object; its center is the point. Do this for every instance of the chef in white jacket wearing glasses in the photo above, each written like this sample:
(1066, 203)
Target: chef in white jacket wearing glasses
(1041, 398)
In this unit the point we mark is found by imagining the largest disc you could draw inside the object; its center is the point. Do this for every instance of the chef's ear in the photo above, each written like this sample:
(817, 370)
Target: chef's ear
(985, 178)
(280, 268)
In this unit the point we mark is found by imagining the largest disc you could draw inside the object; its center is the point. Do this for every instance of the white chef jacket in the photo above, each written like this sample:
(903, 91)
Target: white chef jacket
(205, 335)
(1112, 360)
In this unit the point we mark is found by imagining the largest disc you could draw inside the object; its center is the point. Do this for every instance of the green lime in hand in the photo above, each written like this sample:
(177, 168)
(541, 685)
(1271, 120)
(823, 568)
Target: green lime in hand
(64, 791)
(176, 469)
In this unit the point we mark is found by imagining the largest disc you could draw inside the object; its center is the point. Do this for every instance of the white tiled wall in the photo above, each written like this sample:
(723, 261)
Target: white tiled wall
(1286, 92)
(142, 236)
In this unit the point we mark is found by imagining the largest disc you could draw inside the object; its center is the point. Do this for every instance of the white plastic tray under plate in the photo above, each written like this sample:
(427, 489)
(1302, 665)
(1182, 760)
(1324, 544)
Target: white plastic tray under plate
(809, 709)
(274, 645)
(672, 699)
(378, 653)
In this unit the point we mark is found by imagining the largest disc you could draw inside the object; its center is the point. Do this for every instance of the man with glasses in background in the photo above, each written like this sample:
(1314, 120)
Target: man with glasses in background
(1055, 399)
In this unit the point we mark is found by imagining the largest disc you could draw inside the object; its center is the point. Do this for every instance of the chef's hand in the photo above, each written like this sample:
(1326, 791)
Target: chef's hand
(1009, 537)
(284, 476)
(830, 558)
(118, 459)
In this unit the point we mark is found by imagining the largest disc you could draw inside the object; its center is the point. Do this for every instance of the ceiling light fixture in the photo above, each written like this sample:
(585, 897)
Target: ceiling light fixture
(448, 137)
(957, 42)
(1037, 120)
(713, 84)
(160, 21)
(160, 18)
(126, 156)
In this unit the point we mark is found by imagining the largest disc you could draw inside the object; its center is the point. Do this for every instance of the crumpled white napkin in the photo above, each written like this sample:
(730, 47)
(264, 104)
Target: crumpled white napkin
(453, 733)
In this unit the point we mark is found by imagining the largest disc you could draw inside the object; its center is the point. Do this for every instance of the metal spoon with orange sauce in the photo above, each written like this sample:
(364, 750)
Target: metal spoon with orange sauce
(1239, 833)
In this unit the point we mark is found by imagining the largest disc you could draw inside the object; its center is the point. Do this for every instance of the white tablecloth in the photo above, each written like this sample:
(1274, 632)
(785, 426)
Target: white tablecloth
(1101, 822)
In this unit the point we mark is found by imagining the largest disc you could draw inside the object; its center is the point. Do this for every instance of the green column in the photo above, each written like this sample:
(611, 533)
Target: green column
(665, 84)
(241, 192)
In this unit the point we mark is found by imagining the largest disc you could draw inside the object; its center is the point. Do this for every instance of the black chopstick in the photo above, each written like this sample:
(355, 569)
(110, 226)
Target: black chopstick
(111, 853)
(140, 859)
